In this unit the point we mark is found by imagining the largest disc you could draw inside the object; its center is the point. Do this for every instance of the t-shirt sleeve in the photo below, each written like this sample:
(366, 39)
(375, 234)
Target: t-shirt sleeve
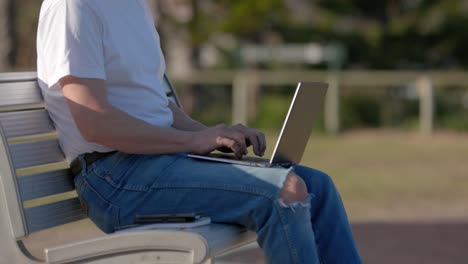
(71, 35)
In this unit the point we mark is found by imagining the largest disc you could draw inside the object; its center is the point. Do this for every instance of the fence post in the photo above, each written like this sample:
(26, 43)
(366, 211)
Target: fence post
(240, 96)
(332, 105)
(426, 105)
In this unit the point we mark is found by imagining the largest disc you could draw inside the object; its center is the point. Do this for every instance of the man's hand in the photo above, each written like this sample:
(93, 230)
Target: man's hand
(254, 138)
(229, 138)
(212, 138)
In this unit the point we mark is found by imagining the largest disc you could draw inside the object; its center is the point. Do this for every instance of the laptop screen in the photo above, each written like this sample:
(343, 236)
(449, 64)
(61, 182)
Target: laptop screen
(304, 111)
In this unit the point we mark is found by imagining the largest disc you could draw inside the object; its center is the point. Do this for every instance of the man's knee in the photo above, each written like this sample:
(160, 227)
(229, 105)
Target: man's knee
(294, 189)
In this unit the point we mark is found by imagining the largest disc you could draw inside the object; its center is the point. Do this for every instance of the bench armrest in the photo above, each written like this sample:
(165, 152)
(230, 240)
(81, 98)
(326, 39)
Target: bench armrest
(152, 246)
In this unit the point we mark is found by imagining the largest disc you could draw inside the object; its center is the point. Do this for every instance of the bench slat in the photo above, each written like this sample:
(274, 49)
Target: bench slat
(22, 123)
(20, 93)
(35, 153)
(23, 107)
(54, 214)
(17, 76)
(45, 184)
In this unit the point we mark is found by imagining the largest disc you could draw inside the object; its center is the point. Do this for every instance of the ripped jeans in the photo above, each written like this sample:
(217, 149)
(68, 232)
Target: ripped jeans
(118, 187)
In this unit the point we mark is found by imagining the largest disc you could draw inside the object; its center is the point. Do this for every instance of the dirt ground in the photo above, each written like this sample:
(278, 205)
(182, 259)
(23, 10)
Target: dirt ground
(391, 243)
(418, 242)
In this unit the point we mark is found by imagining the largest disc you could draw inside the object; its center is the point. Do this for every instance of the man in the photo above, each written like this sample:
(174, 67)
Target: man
(101, 70)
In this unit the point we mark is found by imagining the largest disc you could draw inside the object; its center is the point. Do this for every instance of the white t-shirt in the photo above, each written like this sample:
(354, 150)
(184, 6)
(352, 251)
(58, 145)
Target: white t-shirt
(112, 40)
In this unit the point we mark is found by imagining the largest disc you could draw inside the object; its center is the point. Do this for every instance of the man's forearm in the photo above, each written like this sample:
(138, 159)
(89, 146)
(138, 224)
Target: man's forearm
(117, 129)
(184, 122)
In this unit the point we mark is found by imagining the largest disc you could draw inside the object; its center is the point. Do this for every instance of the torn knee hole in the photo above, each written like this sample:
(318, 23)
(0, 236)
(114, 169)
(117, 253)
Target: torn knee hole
(303, 203)
(294, 190)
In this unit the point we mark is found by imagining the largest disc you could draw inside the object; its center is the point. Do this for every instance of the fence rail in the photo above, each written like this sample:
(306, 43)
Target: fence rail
(242, 81)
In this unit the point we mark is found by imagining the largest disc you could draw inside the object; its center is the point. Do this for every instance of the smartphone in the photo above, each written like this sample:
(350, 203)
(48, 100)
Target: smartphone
(166, 218)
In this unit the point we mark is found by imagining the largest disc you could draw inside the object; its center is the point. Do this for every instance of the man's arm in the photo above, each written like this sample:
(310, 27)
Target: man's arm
(100, 122)
(253, 137)
(183, 121)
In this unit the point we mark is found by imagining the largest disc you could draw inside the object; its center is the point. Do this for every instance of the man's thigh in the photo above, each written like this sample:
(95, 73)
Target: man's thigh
(225, 192)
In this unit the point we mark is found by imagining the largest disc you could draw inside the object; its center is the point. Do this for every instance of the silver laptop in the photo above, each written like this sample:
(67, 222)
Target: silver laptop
(304, 111)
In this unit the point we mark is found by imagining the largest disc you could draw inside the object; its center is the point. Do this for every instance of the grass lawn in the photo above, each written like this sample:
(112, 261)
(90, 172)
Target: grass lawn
(395, 176)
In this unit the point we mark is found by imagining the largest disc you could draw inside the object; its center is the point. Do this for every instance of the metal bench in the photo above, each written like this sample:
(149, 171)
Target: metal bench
(38, 204)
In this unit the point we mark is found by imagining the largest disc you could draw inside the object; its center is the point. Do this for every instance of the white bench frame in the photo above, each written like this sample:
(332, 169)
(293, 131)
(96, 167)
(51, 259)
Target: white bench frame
(17, 222)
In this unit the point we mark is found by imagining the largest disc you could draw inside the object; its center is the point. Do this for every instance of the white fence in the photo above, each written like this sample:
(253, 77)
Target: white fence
(242, 81)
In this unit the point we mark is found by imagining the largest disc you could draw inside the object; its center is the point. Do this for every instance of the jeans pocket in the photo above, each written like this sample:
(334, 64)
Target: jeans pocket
(103, 213)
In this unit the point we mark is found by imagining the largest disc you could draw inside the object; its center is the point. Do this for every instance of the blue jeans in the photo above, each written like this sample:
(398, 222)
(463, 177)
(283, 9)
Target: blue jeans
(118, 187)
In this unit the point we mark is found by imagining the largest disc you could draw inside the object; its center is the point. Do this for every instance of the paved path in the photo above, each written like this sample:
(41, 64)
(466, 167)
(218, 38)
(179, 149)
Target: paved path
(402, 243)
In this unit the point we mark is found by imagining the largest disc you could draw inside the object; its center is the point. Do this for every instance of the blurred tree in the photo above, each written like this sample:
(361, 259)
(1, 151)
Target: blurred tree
(396, 34)
(387, 34)
(172, 19)
(245, 19)
(6, 34)
(25, 21)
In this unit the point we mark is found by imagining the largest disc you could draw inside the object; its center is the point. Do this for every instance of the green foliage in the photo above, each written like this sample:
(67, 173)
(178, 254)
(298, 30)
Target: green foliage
(457, 121)
(450, 113)
(272, 110)
(243, 17)
(378, 34)
(360, 111)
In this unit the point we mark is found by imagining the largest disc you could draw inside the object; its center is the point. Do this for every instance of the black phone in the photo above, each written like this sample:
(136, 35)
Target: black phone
(166, 218)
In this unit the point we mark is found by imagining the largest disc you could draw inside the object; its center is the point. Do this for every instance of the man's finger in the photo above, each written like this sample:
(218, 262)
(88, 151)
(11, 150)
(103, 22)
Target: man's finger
(254, 138)
(255, 143)
(232, 144)
(263, 143)
(239, 138)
